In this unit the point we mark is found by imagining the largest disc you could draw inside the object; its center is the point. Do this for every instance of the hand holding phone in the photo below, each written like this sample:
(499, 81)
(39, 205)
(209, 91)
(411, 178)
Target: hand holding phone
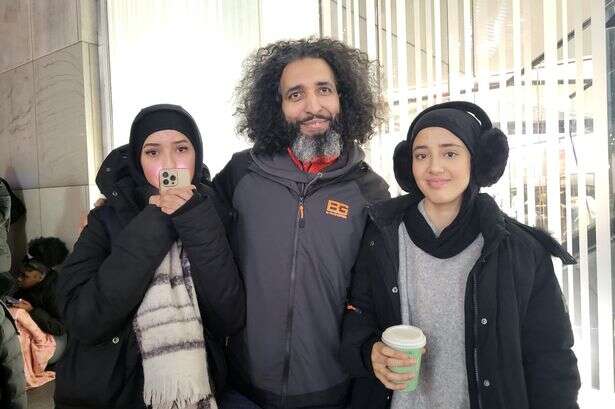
(23, 304)
(175, 190)
(10, 300)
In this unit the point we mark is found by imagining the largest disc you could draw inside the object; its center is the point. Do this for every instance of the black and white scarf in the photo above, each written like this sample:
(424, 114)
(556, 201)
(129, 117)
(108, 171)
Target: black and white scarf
(170, 335)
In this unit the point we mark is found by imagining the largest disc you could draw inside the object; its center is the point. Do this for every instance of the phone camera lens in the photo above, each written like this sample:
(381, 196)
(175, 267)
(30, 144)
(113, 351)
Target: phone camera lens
(173, 178)
(165, 174)
(165, 182)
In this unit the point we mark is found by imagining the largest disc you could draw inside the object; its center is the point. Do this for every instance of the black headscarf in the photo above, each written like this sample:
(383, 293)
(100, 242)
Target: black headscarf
(472, 126)
(153, 119)
(163, 117)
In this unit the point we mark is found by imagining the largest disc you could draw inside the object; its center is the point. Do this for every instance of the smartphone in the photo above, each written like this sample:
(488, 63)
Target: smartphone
(170, 178)
(10, 300)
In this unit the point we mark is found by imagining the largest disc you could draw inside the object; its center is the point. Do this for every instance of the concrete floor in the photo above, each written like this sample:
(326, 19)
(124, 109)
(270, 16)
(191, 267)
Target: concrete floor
(41, 397)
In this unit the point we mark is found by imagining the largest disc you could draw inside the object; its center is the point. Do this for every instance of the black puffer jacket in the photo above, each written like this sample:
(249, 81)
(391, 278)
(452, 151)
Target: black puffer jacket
(106, 277)
(518, 334)
(12, 378)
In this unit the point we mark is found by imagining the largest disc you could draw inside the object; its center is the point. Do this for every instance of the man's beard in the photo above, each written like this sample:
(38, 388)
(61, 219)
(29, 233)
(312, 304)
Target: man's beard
(308, 148)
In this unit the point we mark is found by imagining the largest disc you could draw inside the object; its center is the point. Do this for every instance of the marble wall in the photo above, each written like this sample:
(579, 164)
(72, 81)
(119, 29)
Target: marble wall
(49, 112)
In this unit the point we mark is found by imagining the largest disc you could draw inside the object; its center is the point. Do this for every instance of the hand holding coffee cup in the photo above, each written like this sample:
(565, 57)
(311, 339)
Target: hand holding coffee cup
(397, 360)
(384, 358)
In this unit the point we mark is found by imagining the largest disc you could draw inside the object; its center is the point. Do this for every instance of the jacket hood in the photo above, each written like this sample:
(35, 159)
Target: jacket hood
(115, 167)
(282, 166)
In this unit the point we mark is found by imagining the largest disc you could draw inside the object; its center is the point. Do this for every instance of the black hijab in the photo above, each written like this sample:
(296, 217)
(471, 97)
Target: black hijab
(153, 119)
(472, 126)
(163, 117)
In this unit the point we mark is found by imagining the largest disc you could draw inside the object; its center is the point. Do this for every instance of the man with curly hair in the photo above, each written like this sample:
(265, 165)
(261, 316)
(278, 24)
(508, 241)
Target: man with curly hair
(299, 197)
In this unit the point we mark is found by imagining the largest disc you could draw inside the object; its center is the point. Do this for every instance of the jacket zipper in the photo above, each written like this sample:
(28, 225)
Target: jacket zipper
(301, 213)
(299, 224)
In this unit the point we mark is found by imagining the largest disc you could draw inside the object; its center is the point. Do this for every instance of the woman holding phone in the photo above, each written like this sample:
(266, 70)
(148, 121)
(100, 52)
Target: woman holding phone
(479, 284)
(151, 289)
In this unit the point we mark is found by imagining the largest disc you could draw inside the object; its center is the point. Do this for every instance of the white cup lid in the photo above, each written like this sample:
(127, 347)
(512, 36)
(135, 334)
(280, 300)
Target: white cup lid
(404, 336)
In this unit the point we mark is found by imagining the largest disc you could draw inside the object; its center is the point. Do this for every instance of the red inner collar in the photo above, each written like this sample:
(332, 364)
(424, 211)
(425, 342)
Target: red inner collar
(314, 166)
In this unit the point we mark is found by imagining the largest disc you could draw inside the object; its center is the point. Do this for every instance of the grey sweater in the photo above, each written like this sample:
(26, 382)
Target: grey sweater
(432, 298)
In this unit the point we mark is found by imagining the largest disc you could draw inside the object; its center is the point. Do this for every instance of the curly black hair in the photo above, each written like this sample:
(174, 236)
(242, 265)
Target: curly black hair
(259, 107)
(51, 251)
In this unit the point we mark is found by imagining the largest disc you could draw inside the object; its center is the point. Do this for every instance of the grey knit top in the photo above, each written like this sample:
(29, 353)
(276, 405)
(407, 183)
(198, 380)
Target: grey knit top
(432, 293)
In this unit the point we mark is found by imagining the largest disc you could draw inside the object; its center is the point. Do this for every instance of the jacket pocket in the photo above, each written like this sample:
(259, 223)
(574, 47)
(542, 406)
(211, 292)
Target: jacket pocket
(100, 375)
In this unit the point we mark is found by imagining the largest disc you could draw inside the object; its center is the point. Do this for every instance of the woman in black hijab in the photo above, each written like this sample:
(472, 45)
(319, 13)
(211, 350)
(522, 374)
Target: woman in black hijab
(479, 284)
(151, 289)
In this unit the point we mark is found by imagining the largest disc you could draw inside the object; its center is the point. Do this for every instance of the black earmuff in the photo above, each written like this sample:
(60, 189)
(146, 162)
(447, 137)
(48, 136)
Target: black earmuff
(490, 160)
(402, 166)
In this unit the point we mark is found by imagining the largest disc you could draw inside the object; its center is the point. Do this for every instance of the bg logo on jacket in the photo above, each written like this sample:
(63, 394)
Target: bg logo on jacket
(337, 209)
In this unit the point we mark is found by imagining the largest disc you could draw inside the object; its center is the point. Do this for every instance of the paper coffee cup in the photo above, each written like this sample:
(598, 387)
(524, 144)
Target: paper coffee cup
(411, 341)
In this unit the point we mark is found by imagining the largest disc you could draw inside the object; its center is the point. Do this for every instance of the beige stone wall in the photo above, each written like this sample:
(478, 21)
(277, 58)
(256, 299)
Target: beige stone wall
(50, 140)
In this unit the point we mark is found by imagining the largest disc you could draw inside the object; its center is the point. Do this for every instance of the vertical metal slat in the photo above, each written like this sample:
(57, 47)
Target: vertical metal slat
(603, 218)
(402, 65)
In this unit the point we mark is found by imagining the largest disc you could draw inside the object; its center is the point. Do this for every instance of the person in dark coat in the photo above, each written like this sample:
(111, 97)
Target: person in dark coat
(37, 281)
(479, 284)
(36, 295)
(151, 289)
(12, 376)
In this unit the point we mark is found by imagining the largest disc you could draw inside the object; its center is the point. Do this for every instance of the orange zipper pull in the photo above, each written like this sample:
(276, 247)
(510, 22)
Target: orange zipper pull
(301, 219)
